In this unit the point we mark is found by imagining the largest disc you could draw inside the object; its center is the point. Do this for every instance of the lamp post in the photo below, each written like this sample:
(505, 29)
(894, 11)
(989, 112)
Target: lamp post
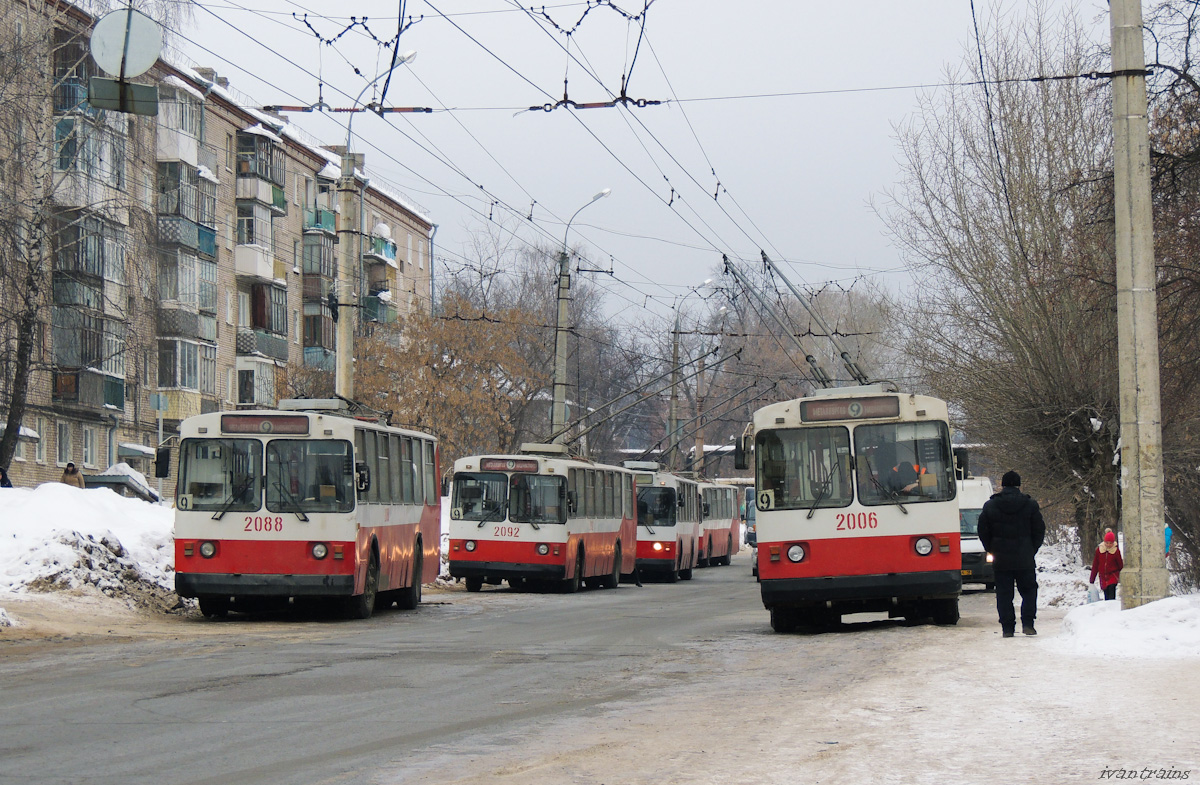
(558, 415)
(350, 226)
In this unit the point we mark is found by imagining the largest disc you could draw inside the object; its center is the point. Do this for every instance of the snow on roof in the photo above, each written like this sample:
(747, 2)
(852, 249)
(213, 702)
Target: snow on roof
(206, 174)
(134, 447)
(259, 130)
(179, 84)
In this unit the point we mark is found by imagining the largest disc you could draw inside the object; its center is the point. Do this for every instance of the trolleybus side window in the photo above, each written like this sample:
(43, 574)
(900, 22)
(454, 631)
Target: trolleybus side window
(418, 483)
(219, 473)
(394, 468)
(431, 493)
(909, 462)
(309, 475)
(537, 498)
(803, 468)
(479, 496)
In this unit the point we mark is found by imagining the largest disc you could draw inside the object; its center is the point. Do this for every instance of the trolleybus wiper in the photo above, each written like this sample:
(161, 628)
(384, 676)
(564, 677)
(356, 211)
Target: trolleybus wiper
(233, 497)
(821, 495)
(295, 504)
(887, 491)
(487, 516)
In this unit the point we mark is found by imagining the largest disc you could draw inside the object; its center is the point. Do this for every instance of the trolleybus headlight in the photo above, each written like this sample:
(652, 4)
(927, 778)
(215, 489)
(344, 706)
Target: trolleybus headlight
(208, 549)
(657, 546)
(923, 546)
(320, 550)
(469, 545)
(795, 553)
(990, 558)
(543, 549)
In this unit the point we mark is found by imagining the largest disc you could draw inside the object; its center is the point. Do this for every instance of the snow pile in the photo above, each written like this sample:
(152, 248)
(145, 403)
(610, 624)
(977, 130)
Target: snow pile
(8, 621)
(57, 537)
(1167, 628)
(1062, 577)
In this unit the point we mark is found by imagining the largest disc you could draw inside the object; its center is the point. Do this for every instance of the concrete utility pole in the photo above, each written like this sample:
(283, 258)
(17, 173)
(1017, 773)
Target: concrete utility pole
(698, 463)
(558, 411)
(672, 410)
(348, 230)
(1144, 578)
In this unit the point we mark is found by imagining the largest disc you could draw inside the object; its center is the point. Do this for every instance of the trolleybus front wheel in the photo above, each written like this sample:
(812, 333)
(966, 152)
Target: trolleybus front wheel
(784, 619)
(363, 605)
(611, 580)
(214, 607)
(409, 598)
(474, 584)
(572, 584)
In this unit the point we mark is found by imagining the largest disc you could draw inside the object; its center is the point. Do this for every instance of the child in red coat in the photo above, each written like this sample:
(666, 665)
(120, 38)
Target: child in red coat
(1107, 563)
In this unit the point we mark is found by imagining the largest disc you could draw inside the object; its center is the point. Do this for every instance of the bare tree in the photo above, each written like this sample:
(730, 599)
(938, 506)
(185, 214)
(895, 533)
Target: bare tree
(1004, 214)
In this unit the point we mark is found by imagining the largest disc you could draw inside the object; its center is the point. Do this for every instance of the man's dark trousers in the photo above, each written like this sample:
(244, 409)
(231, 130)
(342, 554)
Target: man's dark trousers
(1025, 581)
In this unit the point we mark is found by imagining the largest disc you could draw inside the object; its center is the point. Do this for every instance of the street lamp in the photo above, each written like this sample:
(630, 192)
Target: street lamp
(558, 415)
(347, 188)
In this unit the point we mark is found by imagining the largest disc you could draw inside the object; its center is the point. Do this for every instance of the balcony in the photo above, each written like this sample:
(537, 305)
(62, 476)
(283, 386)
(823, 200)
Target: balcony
(114, 392)
(376, 309)
(279, 204)
(172, 144)
(70, 95)
(85, 388)
(182, 404)
(318, 220)
(262, 342)
(254, 261)
(380, 251)
(320, 358)
(207, 241)
(180, 231)
(257, 189)
(176, 323)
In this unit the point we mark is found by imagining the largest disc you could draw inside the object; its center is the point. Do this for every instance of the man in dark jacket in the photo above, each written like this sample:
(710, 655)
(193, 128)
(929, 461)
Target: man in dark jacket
(1011, 529)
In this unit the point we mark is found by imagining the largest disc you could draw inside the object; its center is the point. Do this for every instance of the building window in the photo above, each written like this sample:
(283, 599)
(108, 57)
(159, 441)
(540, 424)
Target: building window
(39, 452)
(179, 364)
(254, 225)
(63, 443)
(243, 315)
(89, 447)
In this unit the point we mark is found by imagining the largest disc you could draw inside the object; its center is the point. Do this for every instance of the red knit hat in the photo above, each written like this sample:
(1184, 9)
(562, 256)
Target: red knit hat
(1110, 537)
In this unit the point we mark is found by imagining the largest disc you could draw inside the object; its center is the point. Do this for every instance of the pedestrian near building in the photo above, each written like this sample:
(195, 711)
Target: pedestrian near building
(1167, 541)
(1107, 563)
(4, 481)
(71, 476)
(1011, 528)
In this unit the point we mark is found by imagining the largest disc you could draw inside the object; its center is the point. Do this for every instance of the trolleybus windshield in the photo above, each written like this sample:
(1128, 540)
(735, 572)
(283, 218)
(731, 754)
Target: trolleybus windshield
(661, 507)
(309, 475)
(803, 468)
(536, 498)
(479, 496)
(220, 475)
(907, 462)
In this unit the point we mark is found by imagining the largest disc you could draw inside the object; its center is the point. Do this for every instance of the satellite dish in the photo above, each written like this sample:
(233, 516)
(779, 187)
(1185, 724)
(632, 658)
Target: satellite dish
(126, 43)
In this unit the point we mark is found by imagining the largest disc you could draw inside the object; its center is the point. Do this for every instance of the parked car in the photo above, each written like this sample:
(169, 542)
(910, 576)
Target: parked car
(976, 563)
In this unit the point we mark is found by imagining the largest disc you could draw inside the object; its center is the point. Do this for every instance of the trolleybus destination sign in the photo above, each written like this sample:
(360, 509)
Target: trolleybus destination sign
(850, 409)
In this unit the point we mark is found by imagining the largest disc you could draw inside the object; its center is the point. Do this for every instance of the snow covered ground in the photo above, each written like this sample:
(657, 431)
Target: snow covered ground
(87, 542)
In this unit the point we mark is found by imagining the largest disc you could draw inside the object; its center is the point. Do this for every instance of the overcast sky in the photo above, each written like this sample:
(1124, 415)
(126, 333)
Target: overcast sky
(791, 102)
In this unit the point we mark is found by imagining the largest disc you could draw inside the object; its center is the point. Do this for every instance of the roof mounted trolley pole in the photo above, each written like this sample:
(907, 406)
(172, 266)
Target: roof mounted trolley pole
(1144, 578)
(851, 366)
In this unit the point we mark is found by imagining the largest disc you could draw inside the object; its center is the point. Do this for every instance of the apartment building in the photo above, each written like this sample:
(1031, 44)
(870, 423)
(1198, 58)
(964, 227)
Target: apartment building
(190, 255)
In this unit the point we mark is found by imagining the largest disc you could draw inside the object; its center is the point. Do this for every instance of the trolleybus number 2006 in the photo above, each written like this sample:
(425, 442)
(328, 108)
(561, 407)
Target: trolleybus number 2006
(847, 521)
(263, 523)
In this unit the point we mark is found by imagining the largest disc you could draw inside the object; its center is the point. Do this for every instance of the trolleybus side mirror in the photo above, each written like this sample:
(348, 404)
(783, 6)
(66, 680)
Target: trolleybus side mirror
(445, 487)
(740, 458)
(162, 462)
(571, 502)
(362, 477)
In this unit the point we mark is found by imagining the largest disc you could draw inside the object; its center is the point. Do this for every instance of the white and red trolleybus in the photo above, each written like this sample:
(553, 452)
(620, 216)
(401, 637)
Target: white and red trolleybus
(668, 532)
(722, 527)
(855, 496)
(541, 517)
(304, 501)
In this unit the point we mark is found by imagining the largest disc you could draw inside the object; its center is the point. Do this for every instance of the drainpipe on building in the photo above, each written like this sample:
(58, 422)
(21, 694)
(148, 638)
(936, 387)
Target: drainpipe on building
(112, 439)
(433, 303)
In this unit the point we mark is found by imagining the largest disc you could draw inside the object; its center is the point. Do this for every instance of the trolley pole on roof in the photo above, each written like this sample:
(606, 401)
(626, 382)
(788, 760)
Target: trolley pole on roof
(1144, 578)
